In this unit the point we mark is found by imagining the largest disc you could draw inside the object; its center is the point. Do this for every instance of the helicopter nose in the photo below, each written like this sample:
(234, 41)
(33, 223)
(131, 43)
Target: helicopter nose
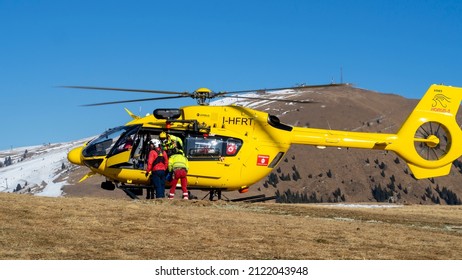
(75, 156)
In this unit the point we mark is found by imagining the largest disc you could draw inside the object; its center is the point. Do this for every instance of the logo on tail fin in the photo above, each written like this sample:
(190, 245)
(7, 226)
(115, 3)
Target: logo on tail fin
(441, 99)
(440, 103)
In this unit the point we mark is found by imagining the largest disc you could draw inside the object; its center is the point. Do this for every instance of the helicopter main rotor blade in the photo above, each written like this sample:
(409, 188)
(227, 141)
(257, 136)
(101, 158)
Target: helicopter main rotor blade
(200, 96)
(273, 89)
(134, 100)
(131, 90)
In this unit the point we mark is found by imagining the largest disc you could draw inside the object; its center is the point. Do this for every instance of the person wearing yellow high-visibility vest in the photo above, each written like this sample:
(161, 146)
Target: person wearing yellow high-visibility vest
(178, 164)
(170, 142)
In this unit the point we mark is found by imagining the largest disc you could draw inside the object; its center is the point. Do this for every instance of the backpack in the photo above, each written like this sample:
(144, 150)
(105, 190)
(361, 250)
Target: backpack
(159, 159)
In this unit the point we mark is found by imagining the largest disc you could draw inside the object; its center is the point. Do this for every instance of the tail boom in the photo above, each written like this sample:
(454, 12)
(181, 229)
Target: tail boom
(429, 140)
(338, 138)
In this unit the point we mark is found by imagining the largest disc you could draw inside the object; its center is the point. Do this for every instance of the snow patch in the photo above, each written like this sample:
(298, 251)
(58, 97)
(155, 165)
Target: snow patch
(35, 169)
(241, 101)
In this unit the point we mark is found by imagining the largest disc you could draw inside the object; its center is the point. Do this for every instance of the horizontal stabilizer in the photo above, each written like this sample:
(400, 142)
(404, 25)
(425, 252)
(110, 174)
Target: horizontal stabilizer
(423, 173)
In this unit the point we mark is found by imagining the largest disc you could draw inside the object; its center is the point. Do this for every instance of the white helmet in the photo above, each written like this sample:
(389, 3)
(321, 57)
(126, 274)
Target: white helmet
(155, 142)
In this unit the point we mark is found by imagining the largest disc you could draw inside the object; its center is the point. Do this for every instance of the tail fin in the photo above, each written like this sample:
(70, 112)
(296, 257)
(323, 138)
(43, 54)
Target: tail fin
(430, 139)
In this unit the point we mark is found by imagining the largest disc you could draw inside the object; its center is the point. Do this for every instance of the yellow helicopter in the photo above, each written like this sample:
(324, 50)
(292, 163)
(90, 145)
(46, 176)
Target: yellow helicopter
(231, 147)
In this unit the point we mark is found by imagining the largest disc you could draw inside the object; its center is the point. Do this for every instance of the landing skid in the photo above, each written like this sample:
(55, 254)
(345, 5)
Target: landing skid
(256, 198)
(132, 192)
(215, 193)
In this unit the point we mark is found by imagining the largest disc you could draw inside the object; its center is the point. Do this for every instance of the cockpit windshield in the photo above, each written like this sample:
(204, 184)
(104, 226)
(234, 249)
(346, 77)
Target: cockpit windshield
(115, 138)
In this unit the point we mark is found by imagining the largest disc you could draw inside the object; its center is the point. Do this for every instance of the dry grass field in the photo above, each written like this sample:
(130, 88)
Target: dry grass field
(100, 228)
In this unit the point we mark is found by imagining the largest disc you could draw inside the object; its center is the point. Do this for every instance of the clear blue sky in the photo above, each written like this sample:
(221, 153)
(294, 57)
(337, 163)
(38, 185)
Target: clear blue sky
(389, 46)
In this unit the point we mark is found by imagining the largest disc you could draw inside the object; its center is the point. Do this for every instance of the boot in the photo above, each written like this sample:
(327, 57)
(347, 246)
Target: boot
(149, 193)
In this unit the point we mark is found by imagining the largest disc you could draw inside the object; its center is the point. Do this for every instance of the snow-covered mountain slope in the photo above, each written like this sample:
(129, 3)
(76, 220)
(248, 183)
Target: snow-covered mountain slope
(39, 170)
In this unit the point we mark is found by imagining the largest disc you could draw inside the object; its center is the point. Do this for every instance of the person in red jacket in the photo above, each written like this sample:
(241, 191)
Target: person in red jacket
(157, 166)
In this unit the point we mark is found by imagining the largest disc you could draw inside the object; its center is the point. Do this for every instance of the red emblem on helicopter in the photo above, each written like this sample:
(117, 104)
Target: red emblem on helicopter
(231, 149)
(262, 160)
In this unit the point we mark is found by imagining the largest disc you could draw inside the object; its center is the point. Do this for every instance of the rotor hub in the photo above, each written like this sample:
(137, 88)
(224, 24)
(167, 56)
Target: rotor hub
(201, 95)
(432, 141)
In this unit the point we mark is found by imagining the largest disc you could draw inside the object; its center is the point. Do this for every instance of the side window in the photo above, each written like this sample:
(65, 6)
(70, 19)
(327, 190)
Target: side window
(211, 148)
(200, 147)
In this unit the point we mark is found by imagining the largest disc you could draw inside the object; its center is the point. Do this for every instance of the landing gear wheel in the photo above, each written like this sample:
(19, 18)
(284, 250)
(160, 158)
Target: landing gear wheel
(432, 141)
(108, 185)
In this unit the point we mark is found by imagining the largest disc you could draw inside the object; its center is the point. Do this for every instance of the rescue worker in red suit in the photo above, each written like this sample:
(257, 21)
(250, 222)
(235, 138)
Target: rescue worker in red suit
(178, 164)
(157, 168)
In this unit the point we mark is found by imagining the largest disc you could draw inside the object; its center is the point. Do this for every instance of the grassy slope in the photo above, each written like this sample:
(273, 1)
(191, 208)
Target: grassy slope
(101, 228)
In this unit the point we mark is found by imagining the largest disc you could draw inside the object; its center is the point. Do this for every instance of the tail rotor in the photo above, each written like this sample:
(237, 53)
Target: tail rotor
(432, 141)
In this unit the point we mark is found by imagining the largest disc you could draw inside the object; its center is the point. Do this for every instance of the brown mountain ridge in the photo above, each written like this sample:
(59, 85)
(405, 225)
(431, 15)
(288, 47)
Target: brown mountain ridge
(308, 174)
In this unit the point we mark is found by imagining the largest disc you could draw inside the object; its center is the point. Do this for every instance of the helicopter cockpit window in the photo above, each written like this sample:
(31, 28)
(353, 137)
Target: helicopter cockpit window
(211, 148)
(125, 141)
(110, 139)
